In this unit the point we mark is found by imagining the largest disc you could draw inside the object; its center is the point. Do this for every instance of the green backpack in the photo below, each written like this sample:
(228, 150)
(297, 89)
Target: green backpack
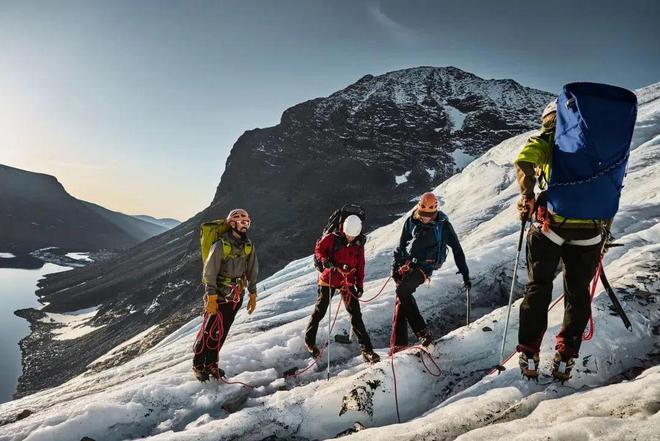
(211, 232)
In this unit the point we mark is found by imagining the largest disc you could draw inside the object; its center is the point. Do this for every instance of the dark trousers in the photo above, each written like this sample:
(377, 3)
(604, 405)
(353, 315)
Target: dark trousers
(352, 306)
(580, 263)
(406, 311)
(205, 355)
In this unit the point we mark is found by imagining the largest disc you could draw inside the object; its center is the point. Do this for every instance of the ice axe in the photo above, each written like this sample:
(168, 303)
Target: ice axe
(468, 299)
(500, 366)
(608, 288)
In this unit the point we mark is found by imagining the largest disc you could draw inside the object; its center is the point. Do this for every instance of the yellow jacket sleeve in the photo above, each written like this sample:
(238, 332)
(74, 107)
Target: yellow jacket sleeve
(533, 160)
(537, 150)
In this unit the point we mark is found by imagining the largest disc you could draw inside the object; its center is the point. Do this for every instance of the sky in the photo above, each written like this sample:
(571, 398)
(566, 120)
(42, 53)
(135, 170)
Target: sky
(135, 105)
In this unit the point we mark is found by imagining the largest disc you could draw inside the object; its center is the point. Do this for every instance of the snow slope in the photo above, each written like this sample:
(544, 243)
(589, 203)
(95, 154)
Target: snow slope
(154, 396)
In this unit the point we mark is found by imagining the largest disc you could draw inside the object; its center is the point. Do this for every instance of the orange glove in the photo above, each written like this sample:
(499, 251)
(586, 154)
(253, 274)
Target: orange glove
(526, 207)
(252, 303)
(211, 304)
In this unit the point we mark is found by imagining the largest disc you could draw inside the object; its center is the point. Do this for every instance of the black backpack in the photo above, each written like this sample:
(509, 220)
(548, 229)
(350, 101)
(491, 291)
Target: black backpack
(334, 221)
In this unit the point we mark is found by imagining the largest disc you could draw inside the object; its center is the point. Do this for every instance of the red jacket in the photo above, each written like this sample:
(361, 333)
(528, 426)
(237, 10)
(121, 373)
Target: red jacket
(348, 258)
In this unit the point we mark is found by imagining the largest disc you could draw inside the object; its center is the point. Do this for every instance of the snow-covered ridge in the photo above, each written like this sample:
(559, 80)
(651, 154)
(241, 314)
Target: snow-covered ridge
(410, 87)
(73, 324)
(155, 397)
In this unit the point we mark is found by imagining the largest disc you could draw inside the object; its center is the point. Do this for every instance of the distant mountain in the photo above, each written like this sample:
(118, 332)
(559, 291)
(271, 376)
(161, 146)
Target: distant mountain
(165, 222)
(379, 142)
(37, 212)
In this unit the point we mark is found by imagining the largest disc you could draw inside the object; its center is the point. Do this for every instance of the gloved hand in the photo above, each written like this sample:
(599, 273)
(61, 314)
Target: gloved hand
(396, 276)
(252, 303)
(357, 291)
(526, 207)
(466, 281)
(328, 264)
(211, 304)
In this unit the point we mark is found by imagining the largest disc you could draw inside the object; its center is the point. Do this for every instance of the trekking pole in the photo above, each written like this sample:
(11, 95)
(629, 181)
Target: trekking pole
(329, 318)
(469, 306)
(500, 366)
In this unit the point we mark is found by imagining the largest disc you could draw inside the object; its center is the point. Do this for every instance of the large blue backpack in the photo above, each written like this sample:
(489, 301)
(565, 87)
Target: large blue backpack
(595, 123)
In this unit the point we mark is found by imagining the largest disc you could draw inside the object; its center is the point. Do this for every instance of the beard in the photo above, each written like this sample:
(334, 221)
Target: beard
(241, 231)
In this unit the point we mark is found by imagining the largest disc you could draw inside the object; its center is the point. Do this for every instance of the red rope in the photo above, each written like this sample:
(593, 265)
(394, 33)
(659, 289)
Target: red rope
(206, 340)
(394, 349)
(324, 346)
(589, 331)
(249, 386)
(392, 352)
(346, 287)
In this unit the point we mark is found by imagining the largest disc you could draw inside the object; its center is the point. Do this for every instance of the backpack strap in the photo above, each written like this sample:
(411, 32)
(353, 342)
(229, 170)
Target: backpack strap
(336, 245)
(439, 237)
(226, 248)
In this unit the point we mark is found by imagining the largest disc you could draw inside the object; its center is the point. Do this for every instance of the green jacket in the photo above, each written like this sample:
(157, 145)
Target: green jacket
(535, 161)
(220, 274)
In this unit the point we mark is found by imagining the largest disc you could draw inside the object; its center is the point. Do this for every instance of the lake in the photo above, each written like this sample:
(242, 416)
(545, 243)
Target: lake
(17, 287)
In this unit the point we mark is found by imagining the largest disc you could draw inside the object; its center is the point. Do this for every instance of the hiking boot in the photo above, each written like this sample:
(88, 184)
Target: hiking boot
(529, 365)
(370, 356)
(425, 337)
(200, 373)
(313, 350)
(562, 366)
(214, 371)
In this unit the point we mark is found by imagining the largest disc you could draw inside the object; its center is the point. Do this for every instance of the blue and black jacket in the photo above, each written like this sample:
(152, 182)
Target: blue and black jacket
(425, 245)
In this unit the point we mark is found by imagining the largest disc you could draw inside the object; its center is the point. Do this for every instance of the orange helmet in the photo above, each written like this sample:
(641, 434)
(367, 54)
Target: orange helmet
(427, 205)
(238, 215)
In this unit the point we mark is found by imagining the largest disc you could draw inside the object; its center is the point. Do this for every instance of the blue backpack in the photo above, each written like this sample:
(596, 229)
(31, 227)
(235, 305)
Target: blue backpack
(595, 123)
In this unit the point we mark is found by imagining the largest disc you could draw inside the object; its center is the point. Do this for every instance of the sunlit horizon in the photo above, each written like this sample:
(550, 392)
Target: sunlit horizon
(135, 106)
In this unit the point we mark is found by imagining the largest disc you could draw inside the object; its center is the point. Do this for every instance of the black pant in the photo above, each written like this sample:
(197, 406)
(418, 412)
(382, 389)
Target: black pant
(352, 306)
(405, 309)
(580, 263)
(205, 355)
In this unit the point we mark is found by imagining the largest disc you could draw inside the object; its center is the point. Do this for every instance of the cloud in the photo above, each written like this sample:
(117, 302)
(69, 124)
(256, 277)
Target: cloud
(396, 30)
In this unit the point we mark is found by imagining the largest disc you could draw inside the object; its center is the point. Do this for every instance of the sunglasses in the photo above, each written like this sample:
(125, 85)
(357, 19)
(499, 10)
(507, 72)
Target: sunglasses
(425, 215)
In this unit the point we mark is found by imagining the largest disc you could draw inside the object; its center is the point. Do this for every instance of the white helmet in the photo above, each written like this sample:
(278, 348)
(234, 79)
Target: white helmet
(550, 108)
(352, 226)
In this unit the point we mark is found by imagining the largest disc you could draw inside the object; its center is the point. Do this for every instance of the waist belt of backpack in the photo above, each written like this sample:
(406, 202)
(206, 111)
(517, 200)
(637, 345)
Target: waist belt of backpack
(414, 264)
(416, 261)
(558, 240)
(230, 281)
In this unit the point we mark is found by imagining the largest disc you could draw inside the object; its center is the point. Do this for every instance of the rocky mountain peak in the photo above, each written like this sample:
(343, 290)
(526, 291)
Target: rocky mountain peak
(399, 133)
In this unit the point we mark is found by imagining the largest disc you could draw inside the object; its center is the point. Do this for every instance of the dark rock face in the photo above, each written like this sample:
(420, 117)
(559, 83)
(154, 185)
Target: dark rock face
(379, 143)
(350, 147)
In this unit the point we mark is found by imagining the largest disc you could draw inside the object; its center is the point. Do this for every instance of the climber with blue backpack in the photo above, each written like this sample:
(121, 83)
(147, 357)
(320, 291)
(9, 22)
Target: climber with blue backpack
(422, 249)
(230, 266)
(579, 160)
